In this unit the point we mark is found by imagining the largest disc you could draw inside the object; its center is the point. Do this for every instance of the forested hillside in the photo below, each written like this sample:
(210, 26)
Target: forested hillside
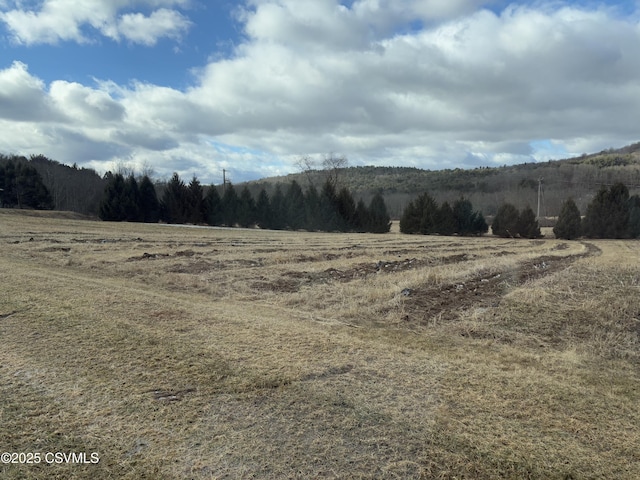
(81, 189)
(70, 188)
(488, 188)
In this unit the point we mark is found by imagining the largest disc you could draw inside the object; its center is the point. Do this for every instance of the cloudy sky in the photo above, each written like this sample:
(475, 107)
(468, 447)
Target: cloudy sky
(251, 86)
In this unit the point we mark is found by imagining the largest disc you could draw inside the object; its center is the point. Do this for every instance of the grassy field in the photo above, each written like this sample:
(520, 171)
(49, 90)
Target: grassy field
(177, 352)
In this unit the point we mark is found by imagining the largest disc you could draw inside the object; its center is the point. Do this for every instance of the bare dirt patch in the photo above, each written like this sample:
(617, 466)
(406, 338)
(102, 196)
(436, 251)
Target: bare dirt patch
(424, 305)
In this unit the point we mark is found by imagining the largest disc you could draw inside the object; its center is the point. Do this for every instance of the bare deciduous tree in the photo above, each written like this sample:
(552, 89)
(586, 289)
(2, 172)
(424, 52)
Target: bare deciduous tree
(332, 164)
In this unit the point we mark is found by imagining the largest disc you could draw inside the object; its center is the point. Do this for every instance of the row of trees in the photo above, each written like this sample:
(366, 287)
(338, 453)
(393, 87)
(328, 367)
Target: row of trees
(611, 214)
(287, 208)
(129, 200)
(509, 222)
(424, 215)
(21, 186)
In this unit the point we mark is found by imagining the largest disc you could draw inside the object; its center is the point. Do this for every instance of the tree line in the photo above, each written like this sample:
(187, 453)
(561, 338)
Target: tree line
(289, 207)
(611, 214)
(21, 186)
(70, 188)
(424, 215)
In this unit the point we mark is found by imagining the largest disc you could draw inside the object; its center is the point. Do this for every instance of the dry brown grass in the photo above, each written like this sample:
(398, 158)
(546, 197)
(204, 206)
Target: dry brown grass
(180, 352)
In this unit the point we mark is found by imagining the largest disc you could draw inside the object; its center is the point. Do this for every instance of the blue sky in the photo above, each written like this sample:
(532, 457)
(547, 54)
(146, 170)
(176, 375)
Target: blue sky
(252, 86)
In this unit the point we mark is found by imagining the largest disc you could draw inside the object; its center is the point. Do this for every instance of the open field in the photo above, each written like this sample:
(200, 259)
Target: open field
(178, 352)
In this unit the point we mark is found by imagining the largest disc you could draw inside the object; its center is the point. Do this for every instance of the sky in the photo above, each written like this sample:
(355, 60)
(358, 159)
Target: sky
(251, 87)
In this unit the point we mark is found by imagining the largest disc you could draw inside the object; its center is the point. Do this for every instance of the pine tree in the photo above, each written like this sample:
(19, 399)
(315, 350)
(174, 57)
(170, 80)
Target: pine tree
(619, 210)
(479, 224)
(568, 225)
(113, 206)
(263, 210)
(379, 220)
(445, 220)
(213, 207)
(246, 209)
(346, 207)
(131, 200)
(295, 212)
(4, 192)
(428, 208)
(149, 205)
(30, 190)
(330, 219)
(528, 226)
(363, 221)
(195, 202)
(22, 187)
(175, 201)
(464, 216)
(410, 219)
(505, 223)
(230, 203)
(278, 209)
(312, 207)
(608, 213)
(634, 217)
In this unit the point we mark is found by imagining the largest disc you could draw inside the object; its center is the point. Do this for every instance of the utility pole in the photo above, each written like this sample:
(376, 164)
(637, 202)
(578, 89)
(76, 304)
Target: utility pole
(224, 181)
(539, 196)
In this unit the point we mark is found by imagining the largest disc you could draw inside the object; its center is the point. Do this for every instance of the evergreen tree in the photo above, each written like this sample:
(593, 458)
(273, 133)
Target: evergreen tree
(230, 204)
(445, 220)
(4, 188)
(31, 191)
(312, 208)
(278, 209)
(379, 220)
(464, 216)
(428, 208)
(246, 209)
(149, 205)
(568, 225)
(410, 219)
(263, 210)
(131, 200)
(175, 203)
(363, 221)
(505, 223)
(619, 210)
(479, 224)
(528, 226)
(346, 207)
(422, 215)
(22, 187)
(295, 212)
(112, 206)
(330, 219)
(594, 224)
(213, 207)
(195, 202)
(608, 213)
(634, 217)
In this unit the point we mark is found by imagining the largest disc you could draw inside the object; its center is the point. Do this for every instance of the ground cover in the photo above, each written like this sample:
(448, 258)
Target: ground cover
(177, 352)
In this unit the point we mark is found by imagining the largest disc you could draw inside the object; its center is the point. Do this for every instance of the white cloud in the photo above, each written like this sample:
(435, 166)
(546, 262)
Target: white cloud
(22, 97)
(471, 86)
(78, 20)
(85, 105)
(138, 28)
